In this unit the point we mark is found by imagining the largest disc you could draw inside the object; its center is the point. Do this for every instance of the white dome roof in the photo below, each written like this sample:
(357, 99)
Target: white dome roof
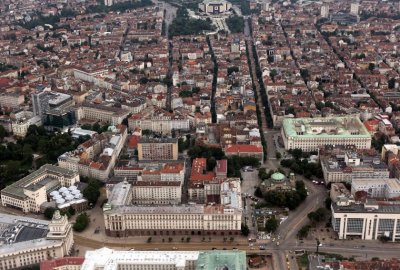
(60, 201)
(72, 188)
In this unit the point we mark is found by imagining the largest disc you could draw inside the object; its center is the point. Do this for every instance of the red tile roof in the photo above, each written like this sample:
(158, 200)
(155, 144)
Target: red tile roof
(51, 264)
(243, 148)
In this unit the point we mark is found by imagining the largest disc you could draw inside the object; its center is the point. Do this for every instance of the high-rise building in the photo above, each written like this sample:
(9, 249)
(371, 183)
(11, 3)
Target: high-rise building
(354, 8)
(325, 11)
(108, 2)
(158, 149)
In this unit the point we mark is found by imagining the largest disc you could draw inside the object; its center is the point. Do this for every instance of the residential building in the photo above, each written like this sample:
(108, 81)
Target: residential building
(367, 221)
(29, 193)
(97, 156)
(354, 8)
(245, 150)
(27, 241)
(158, 149)
(309, 134)
(106, 258)
(11, 100)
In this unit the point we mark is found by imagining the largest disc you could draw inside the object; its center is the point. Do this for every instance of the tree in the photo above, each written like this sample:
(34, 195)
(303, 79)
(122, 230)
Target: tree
(278, 155)
(271, 225)
(3, 133)
(328, 203)
(303, 232)
(82, 221)
(319, 215)
(211, 163)
(244, 229)
(49, 212)
(371, 66)
(91, 192)
(391, 83)
(149, 240)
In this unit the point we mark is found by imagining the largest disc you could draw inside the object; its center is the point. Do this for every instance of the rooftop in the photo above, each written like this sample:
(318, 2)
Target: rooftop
(327, 127)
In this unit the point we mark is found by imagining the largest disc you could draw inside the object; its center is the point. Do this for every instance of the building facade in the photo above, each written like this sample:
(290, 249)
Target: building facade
(29, 193)
(30, 241)
(367, 221)
(158, 149)
(309, 134)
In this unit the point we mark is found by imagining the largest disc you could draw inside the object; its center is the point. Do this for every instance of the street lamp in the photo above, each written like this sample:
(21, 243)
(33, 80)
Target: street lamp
(318, 243)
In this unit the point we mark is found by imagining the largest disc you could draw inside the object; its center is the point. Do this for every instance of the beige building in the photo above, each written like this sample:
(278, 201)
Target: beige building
(158, 149)
(11, 100)
(97, 156)
(22, 121)
(309, 134)
(159, 192)
(222, 217)
(29, 193)
(102, 113)
(367, 221)
(163, 124)
(27, 241)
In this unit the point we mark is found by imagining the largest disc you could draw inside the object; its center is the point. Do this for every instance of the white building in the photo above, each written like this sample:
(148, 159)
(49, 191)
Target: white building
(354, 8)
(325, 11)
(215, 6)
(309, 134)
(109, 259)
(367, 221)
(26, 241)
(29, 193)
(222, 218)
(22, 122)
(102, 113)
(388, 188)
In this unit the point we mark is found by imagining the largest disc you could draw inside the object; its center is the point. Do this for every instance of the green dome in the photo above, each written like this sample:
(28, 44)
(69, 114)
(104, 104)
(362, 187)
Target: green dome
(278, 177)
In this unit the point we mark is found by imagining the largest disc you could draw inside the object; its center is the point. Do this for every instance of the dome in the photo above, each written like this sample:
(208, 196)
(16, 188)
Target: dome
(72, 188)
(63, 189)
(278, 177)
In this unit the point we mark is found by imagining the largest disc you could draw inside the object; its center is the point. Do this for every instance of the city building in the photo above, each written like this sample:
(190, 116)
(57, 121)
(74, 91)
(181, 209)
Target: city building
(245, 150)
(325, 11)
(29, 193)
(215, 7)
(163, 123)
(100, 112)
(97, 156)
(21, 122)
(106, 258)
(157, 149)
(309, 134)
(347, 165)
(27, 241)
(388, 188)
(11, 100)
(67, 263)
(221, 215)
(367, 221)
(354, 8)
(46, 101)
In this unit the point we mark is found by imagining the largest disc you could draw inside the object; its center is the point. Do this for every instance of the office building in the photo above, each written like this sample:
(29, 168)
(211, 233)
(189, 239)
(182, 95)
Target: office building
(158, 149)
(106, 258)
(46, 101)
(354, 8)
(387, 188)
(221, 215)
(368, 221)
(347, 165)
(26, 241)
(325, 11)
(101, 112)
(309, 134)
(29, 193)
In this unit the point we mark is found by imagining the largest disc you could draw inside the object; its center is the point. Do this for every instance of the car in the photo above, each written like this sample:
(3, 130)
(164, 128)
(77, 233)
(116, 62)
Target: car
(174, 248)
(235, 248)
(262, 247)
(214, 248)
(277, 243)
(132, 249)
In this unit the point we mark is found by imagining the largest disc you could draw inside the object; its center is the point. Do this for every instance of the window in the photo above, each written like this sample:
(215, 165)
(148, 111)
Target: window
(355, 225)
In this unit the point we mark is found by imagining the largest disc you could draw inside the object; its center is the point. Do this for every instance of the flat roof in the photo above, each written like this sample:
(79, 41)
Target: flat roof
(325, 127)
(369, 207)
(17, 189)
(220, 259)
(108, 259)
